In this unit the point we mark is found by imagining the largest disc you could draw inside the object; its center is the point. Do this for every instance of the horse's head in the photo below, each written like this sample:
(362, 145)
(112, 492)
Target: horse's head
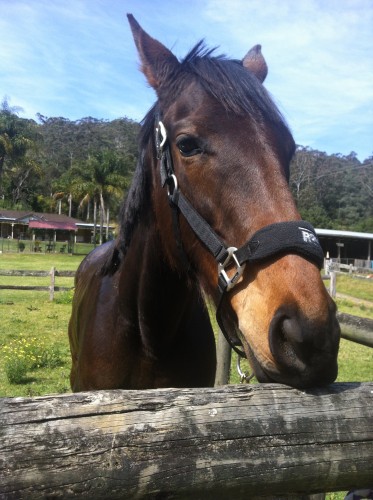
(223, 145)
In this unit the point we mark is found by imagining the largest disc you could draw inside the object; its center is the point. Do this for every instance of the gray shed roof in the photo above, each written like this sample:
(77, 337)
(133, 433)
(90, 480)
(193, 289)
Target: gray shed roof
(344, 234)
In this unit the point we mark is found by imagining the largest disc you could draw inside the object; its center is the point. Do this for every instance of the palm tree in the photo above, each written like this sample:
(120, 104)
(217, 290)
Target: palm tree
(100, 179)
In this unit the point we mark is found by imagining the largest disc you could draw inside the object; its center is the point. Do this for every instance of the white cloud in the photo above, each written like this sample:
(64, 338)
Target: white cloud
(76, 58)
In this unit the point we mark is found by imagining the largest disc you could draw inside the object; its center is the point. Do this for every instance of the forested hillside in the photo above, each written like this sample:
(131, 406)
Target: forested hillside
(79, 167)
(333, 191)
(55, 164)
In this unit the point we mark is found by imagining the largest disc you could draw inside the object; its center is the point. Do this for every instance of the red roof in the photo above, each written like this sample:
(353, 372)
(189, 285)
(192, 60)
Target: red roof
(65, 226)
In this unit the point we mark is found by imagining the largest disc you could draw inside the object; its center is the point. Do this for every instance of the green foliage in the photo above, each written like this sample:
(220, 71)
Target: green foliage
(89, 163)
(333, 191)
(69, 158)
(19, 165)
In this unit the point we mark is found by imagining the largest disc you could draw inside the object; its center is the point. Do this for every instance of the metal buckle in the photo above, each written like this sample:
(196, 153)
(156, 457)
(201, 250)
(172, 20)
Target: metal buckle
(231, 282)
(160, 138)
(244, 377)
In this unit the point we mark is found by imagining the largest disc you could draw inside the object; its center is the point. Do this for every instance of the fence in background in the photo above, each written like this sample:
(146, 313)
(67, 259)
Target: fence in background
(44, 247)
(52, 288)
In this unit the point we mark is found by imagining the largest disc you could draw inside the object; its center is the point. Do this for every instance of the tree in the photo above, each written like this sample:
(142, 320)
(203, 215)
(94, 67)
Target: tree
(333, 191)
(18, 146)
(101, 180)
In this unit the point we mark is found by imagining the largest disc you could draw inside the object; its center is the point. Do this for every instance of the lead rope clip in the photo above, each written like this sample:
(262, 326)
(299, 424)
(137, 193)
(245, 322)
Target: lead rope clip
(244, 377)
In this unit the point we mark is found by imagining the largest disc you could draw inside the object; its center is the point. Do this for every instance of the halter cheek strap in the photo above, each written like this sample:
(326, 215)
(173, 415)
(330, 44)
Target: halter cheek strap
(290, 237)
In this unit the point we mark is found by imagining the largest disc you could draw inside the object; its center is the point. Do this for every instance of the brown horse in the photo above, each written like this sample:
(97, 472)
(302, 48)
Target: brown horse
(213, 172)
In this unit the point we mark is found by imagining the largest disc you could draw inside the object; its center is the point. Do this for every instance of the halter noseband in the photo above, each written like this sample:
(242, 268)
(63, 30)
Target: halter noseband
(297, 237)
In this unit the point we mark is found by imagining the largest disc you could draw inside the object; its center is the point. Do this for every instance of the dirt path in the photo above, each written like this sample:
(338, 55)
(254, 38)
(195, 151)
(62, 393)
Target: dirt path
(355, 300)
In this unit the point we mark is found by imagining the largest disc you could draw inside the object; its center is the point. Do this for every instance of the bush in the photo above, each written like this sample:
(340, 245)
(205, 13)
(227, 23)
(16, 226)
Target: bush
(65, 297)
(50, 358)
(23, 355)
(21, 246)
(16, 370)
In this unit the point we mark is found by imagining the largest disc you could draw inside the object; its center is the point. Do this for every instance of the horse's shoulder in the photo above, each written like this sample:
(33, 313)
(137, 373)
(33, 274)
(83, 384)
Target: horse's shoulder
(95, 264)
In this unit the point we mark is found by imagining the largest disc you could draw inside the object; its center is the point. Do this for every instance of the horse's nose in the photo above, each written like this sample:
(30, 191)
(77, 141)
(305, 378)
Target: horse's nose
(304, 349)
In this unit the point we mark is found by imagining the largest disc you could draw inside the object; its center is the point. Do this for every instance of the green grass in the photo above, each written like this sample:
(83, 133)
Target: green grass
(355, 295)
(39, 262)
(351, 307)
(355, 361)
(30, 316)
(360, 288)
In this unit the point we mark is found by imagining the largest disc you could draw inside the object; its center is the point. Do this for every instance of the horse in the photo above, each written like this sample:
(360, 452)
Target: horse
(210, 214)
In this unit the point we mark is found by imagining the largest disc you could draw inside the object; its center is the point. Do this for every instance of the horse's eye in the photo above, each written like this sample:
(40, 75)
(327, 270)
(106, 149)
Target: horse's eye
(188, 146)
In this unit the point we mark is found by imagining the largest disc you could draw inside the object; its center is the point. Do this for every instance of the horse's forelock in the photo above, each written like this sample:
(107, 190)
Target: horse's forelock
(237, 89)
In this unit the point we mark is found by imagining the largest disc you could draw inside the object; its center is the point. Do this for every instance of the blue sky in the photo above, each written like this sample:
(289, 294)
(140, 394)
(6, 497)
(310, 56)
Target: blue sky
(76, 58)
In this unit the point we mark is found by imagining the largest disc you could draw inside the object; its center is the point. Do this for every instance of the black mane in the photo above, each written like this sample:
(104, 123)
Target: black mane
(236, 88)
(239, 92)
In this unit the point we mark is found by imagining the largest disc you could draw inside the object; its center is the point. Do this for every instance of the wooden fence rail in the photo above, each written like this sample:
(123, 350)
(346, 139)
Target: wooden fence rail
(230, 442)
(51, 288)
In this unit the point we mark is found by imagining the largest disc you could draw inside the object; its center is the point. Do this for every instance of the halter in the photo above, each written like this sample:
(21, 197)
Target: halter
(297, 237)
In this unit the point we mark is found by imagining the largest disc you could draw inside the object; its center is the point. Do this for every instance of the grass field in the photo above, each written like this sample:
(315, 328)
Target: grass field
(41, 325)
(355, 295)
(34, 330)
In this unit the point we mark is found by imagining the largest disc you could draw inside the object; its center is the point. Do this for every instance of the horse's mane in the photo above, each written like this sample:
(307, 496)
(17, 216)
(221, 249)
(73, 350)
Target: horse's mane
(233, 86)
(238, 91)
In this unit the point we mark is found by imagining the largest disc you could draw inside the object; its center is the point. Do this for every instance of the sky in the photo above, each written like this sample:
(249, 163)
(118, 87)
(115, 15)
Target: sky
(77, 58)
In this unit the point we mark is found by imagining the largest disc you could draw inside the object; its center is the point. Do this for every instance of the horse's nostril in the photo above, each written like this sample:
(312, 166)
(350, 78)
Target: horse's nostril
(291, 330)
(288, 342)
(302, 349)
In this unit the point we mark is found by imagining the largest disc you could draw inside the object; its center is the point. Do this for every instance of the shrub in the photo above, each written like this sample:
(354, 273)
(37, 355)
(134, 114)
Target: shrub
(50, 358)
(65, 297)
(16, 370)
(23, 355)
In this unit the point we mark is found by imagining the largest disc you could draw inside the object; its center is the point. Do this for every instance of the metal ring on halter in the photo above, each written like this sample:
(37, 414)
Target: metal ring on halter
(170, 189)
(163, 133)
(244, 377)
(160, 139)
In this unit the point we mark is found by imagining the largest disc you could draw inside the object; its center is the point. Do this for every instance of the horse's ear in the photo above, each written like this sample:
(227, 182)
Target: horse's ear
(255, 62)
(156, 60)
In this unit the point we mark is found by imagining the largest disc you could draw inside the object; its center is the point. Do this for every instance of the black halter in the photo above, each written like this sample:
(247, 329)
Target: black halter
(297, 237)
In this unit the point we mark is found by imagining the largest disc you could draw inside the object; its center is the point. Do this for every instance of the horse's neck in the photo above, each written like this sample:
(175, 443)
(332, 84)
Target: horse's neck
(156, 297)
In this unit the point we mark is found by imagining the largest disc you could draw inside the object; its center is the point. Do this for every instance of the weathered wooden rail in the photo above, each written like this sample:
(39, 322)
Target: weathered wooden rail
(362, 329)
(229, 442)
(51, 288)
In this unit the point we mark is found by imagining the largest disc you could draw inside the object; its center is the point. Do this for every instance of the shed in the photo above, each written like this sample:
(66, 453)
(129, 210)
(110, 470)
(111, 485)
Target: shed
(347, 245)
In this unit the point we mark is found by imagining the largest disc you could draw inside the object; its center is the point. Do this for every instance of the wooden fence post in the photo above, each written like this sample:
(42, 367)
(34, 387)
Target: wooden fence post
(53, 280)
(333, 284)
(223, 360)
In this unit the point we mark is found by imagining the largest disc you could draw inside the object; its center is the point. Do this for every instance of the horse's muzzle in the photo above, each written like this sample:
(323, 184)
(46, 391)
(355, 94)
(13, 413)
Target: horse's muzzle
(305, 351)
